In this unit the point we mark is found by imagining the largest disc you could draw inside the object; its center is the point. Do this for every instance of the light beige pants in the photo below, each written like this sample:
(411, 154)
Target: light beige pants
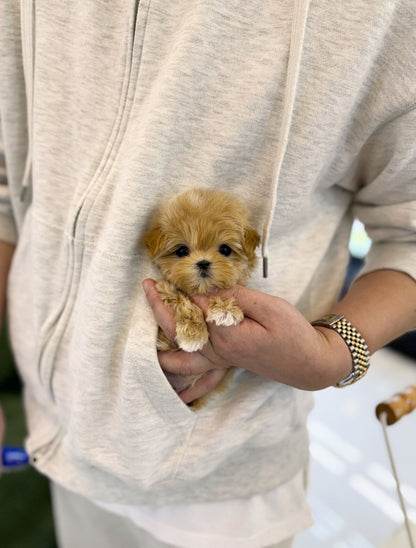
(81, 524)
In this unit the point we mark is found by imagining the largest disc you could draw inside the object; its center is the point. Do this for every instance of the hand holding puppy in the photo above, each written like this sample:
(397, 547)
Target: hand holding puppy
(274, 340)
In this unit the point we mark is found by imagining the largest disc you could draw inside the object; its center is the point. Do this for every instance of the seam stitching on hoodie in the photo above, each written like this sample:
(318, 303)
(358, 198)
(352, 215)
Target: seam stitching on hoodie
(410, 107)
(185, 448)
(109, 255)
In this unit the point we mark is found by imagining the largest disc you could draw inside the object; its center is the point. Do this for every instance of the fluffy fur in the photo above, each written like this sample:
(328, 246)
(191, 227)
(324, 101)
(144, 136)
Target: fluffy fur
(201, 239)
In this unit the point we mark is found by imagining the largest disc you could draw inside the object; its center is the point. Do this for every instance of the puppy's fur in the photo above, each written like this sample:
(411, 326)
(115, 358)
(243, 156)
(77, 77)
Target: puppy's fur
(200, 240)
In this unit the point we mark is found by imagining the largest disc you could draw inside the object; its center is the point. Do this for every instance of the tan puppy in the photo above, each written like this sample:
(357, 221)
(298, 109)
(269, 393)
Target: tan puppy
(200, 240)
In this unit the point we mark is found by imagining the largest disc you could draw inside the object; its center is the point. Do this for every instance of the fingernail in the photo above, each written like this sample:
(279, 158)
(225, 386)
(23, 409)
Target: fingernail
(146, 286)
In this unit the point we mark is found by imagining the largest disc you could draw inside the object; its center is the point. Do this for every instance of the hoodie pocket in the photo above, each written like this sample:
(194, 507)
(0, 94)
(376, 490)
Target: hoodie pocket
(119, 413)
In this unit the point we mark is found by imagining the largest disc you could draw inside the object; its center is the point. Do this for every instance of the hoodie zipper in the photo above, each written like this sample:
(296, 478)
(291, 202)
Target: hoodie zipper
(42, 452)
(127, 96)
(57, 324)
(36, 456)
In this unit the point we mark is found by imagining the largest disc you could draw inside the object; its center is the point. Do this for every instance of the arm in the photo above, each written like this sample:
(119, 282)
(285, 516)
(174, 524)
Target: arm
(8, 234)
(382, 304)
(6, 253)
(277, 342)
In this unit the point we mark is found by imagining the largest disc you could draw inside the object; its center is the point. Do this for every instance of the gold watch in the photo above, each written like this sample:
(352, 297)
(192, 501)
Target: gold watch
(355, 342)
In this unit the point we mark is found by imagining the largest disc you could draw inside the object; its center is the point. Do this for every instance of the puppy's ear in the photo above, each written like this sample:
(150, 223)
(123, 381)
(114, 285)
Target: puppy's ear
(155, 241)
(251, 240)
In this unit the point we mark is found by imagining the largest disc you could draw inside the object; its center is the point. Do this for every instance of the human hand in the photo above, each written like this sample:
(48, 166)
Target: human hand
(179, 365)
(274, 340)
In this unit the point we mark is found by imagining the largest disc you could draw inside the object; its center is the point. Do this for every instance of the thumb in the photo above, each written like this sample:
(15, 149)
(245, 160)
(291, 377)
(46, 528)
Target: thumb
(164, 316)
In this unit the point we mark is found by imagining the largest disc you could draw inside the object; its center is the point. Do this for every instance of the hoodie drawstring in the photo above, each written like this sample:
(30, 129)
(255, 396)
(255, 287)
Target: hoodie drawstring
(28, 53)
(300, 13)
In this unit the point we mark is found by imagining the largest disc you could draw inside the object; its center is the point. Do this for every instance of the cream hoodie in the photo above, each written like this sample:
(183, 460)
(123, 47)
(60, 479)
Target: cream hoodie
(110, 108)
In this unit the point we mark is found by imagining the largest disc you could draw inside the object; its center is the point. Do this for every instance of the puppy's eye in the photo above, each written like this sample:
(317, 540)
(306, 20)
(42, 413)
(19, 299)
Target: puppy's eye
(225, 250)
(182, 251)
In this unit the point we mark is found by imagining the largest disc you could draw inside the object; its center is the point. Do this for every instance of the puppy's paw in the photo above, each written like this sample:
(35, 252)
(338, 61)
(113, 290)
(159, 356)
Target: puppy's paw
(224, 312)
(190, 336)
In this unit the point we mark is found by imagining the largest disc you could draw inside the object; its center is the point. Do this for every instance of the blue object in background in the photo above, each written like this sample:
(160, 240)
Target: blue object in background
(14, 458)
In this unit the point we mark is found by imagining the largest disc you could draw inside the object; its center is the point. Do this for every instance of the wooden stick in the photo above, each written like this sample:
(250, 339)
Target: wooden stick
(400, 404)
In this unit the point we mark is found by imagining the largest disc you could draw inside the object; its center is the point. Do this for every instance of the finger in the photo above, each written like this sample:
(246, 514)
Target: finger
(164, 317)
(184, 363)
(203, 386)
(235, 345)
(179, 382)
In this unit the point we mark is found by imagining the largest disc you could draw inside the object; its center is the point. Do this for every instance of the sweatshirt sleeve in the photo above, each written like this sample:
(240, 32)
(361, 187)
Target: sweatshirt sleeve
(8, 231)
(386, 203)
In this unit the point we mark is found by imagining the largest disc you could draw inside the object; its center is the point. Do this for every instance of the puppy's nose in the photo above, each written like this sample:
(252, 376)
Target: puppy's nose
(203, 267)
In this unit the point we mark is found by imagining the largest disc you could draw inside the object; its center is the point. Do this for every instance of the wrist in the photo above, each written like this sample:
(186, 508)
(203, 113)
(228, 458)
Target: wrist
(337, 361)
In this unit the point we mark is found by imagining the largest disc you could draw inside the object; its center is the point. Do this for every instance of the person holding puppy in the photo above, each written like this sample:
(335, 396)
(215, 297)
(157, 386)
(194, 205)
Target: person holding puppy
(305, 112)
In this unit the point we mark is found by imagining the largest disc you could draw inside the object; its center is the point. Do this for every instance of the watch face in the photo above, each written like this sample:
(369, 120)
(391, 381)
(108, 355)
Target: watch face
(330, 319)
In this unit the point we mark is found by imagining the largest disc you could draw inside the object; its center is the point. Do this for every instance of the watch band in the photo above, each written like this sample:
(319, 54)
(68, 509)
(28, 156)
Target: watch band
(355, 342)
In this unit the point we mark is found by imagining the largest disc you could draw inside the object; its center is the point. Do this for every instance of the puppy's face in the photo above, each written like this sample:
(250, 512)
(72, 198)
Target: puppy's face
(202, 239)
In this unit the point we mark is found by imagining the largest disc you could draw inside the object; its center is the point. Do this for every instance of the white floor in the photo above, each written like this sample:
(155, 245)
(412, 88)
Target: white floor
(352, 491)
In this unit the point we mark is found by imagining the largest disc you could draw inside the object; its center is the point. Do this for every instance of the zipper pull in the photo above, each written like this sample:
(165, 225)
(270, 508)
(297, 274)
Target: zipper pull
(265, 267)
(39, 453)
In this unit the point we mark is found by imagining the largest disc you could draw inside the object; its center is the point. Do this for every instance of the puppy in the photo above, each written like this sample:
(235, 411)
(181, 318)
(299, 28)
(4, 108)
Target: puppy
(200, 240)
